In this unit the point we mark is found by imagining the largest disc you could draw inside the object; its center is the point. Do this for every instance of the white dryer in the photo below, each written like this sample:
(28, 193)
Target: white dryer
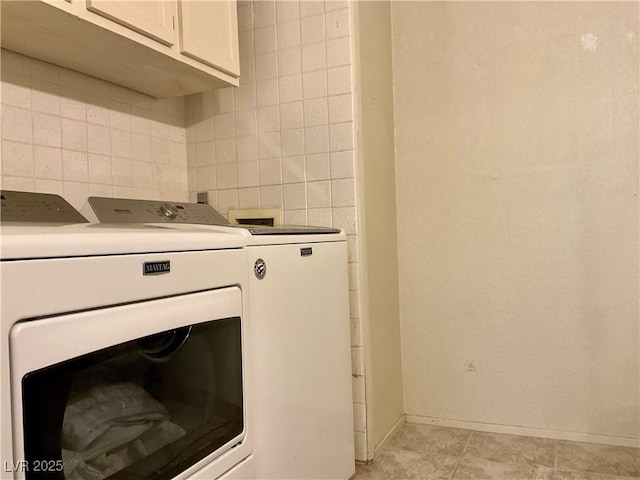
(300, 330)
(124, 349)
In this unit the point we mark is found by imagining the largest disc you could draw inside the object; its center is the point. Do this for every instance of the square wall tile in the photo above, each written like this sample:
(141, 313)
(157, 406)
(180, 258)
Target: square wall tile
(338, 23)
(47, 162)
(312, 29)
(319, 194)
(295, 196)
(225, 151)
(227, 175)
(247, 148)
(17, 159)
(295, 217)
(289, 61)
(311, 7)
(267, 93)
(320, 217)
(271, 196)
(270, 171)
(122, 170)
(339, 52)
(100, 169)
(75, 166)
(339, 80)
(354, 305)
(292, 142)
(293, 169)
(248, 174)
(290, 88)
(346, 219)
(287, 10)
(269, 145)
(316, 112)
(292, 115)
(343, 192)
(17, 124)
(341, 108)
(47, 130)
(245, 44)
(266, 66)
(264, 13)
(289, 34)
(16, 90)
(227, 200)
(318, 167)
(269, 119)
(45, 97)
(359, 417)
(357, 361)
(314, 57)
(249, 197)
(343, 164)
(246, 123)
(265, 39)
(316, 139)
(341, 137)
(98, 139)
(357, 384)
(314, 84)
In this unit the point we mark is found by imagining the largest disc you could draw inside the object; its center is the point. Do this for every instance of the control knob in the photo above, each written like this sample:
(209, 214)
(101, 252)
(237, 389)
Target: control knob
(169, 210)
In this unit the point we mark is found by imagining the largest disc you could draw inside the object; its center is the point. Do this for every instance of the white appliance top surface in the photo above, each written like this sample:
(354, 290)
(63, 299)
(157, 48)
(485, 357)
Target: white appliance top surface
(253, 239)
(181, 215)
(20, 240)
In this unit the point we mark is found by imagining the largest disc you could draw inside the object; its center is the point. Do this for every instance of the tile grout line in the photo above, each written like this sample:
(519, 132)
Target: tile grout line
(464, 449)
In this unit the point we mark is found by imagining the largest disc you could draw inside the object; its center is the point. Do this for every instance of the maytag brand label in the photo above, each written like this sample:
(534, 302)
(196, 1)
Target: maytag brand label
(156, 268)
(305, 252)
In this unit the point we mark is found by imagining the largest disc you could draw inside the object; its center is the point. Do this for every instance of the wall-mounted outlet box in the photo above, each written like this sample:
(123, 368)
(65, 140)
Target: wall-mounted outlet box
(262, 216)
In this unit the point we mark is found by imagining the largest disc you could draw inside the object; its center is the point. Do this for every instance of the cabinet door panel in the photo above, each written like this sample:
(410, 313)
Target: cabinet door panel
(209, 33)
(153, 18)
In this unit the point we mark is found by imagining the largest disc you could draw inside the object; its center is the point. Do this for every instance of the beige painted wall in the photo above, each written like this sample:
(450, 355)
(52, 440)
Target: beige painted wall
(378, 213)
(517, 179)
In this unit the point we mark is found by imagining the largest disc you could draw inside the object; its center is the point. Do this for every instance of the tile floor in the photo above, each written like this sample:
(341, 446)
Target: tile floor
(428, 452)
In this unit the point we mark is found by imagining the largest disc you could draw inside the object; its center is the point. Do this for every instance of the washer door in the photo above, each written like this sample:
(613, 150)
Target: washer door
(146, 390)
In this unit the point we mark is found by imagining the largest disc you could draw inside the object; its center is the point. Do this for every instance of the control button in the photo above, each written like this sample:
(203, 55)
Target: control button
(169, 210)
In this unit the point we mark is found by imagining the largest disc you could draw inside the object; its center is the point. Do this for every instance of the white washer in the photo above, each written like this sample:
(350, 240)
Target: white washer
(300, 330)
(124, 348)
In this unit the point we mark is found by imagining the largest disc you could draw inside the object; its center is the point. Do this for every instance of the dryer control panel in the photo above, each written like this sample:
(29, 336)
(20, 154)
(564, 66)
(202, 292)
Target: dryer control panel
(125, 210)
(29, 207)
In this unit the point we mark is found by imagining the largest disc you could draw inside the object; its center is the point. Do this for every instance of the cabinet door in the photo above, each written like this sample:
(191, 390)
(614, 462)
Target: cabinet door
(209, 33)
(153, 18)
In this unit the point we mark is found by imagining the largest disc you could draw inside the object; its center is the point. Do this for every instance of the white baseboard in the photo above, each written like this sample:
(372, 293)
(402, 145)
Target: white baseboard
(525, 431)
(389, 434)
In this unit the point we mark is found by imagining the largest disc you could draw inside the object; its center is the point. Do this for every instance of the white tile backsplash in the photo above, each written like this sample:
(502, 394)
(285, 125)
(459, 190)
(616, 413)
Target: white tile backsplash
(288, 34)
(64, 132)
(316, 112)
(312, 29)
(287, 10)
(294, 132)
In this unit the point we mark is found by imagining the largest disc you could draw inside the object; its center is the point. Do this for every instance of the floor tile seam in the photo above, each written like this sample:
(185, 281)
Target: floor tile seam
(461, 456)
(569, 468)
(555, 454)
(508, 461)
(602, 475)
(512, 464)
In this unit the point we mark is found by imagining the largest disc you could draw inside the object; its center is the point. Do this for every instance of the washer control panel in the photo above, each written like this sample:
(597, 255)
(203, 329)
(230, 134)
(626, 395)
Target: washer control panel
(124, 210)
(29, 207)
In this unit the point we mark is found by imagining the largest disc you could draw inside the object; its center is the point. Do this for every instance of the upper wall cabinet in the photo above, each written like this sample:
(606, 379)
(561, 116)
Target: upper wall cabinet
(163, 48)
